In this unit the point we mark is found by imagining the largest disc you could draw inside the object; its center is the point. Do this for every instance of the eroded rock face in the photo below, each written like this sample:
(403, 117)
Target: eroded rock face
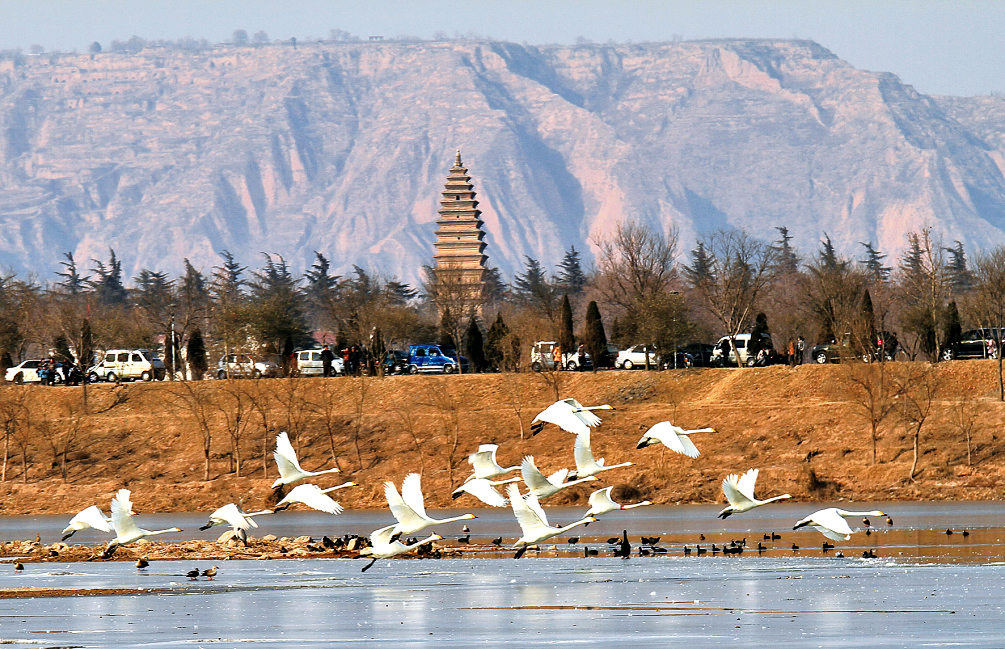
(344, 148)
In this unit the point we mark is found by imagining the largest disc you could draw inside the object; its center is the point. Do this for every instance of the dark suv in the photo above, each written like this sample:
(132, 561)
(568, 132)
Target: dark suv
(395, 362)
(975, 343)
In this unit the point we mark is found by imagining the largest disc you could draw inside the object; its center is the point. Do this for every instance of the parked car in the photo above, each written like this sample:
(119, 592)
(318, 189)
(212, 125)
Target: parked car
(309, 363)
(27, 372)
(541, 357)
(700, 353)
(723, 356)
(127, 365)
(395, 362)
(884, 347)
(242, 365)
(976, 343)
(434, 358)
(635, 356)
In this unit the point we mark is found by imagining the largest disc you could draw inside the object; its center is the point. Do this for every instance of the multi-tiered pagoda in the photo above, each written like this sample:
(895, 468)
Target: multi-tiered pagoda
(460, 250)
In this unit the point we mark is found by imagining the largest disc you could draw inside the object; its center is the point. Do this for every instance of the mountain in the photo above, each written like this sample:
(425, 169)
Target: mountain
(344, 148)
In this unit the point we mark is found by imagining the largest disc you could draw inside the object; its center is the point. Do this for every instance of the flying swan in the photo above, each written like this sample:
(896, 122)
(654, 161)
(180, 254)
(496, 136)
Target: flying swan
(831, 522)
(314, 497)
(90, 518)
(739, 491)
(485, 465)
(601, 503)
(409, 507)
(385, 544)
(673, 437)
(533, 521)
(289, 466)
(586, 465)
(237, 518)
(484, 490)
(541, 486)
(568, 414)
(126, 530)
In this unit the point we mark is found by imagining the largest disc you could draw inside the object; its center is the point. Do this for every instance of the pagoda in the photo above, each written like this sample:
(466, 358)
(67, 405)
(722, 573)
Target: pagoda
(460, 249)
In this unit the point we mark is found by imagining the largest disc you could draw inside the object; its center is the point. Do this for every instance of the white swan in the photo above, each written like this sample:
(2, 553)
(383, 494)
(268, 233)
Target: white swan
(90, 518)
(314, 497)
(409, 507)
(533, 521)
(126, 530)
(739, 491)
(237, 518)
(289, 466)
(585, 464)
(541, 486)
(568, 414)
(385, 544)
(673, 437)
(831, 522)
(484, 490)
(601, 503)
(484, 462)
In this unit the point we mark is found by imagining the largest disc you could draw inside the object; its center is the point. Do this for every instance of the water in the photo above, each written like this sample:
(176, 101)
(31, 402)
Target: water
(925, 589)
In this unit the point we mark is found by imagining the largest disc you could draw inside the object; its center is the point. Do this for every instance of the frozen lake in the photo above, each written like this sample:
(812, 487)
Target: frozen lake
(925, 589)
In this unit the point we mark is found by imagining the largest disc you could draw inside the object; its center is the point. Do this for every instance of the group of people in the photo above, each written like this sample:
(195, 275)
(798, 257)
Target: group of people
(352, 360)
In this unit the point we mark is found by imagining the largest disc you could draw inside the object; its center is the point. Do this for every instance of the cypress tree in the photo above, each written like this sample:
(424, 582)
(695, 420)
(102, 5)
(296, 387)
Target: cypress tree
(495, 356)
(953, 332)
(594, 337)
(869, 323)
(474, 347)
(566, 339)
(197, 362)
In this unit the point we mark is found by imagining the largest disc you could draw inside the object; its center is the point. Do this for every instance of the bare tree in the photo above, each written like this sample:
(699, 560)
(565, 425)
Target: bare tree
(261, 403)
(439, 398)
(408, 419)
(918, 385)
(924, 291)
(235, 407)
(729, 271)
(196, 403)
(874, 394)
(964, 412)
(358, 393)
(324, 403)
(14, 412)
(989, 299)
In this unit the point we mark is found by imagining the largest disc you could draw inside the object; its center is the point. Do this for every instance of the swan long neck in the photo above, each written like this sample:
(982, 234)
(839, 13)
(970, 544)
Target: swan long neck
(583, 521)
(451, 520)
(171, 529)
(771, 500)
(432, 537)
(633, 506)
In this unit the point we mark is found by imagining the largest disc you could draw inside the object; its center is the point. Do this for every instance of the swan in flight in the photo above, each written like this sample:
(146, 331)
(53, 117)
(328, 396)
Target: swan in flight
(126, 530)
(568, 414)
(289, 466)
(484, 490)
(541, 486)
(673, 437)
(533, 521)
(585, 464)
(484, 462)
(831, 522)
(601, 503)
(409, 507)
(314, 497)
(385, 544)
(90, 518)
(237, 518)
(739, 491)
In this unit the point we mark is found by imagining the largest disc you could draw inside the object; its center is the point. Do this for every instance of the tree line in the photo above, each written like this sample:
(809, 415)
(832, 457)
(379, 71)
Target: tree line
(641, 289)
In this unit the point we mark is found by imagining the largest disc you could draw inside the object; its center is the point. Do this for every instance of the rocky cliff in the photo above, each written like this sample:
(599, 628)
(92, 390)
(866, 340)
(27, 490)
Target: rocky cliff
(344, 149)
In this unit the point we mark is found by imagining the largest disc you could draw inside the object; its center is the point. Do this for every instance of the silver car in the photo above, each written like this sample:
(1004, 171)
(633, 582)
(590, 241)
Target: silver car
(244, 366)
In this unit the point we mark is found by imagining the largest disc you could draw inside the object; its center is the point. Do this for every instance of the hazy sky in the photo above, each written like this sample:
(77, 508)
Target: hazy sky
(954, 47)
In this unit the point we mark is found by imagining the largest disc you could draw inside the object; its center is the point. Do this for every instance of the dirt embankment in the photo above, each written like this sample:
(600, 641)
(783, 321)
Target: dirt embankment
(800, 426)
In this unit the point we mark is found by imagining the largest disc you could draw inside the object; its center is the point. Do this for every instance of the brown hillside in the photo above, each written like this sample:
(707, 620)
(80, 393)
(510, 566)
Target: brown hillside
(798, 425)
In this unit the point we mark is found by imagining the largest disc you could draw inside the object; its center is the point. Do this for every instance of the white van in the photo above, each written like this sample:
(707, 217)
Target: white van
(309, 363)
(741, 342)
(128, 365)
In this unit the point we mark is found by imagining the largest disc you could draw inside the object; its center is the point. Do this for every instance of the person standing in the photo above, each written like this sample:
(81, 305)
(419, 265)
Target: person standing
(326, 361)
(581, 356)
(556, 355)
(800, 350)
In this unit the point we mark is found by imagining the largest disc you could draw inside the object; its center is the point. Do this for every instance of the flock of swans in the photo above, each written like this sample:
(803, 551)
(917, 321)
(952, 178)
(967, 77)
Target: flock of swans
(408, 506)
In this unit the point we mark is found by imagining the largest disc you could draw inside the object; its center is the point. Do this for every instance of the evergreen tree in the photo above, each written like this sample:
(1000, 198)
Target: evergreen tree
(787, 261)
(533, 289)
(953, 326)
(72, 282)
(570, 275)
(321, 289)
(474, 347)
(447, 326)
(828, 257)
(700, 270)
(277, 306)
(594, 337)
(868, 328)
(495, 339)
(86, 345)
(198, 364)
(63, 354)
(107, 284)
(496, 290)
(960, 277)
(873, 263)
(566, 339)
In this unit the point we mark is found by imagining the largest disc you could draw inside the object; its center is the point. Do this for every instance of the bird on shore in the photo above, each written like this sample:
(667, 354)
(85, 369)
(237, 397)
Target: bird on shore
(533, 521)
(409, 507)
(18, 567)
(126, 530)
(193, 575)
(314, 497)
(209, 573)
(673, 437)
(739, 491)
(586, 465)
(624, 549)
(290, 470)
(831, 522)
(90, 518)
(540, 485)
(484, 490)
(241, 521)
(601, 503)
(141, 564)
(485, 466)
(384, 544)
(569, 415)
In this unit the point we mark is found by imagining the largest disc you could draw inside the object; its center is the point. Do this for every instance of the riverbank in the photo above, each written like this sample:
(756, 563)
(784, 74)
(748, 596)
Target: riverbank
(802, 427)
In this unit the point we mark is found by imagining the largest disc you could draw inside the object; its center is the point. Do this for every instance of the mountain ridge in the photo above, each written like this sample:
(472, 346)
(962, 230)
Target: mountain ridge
(344, 149)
